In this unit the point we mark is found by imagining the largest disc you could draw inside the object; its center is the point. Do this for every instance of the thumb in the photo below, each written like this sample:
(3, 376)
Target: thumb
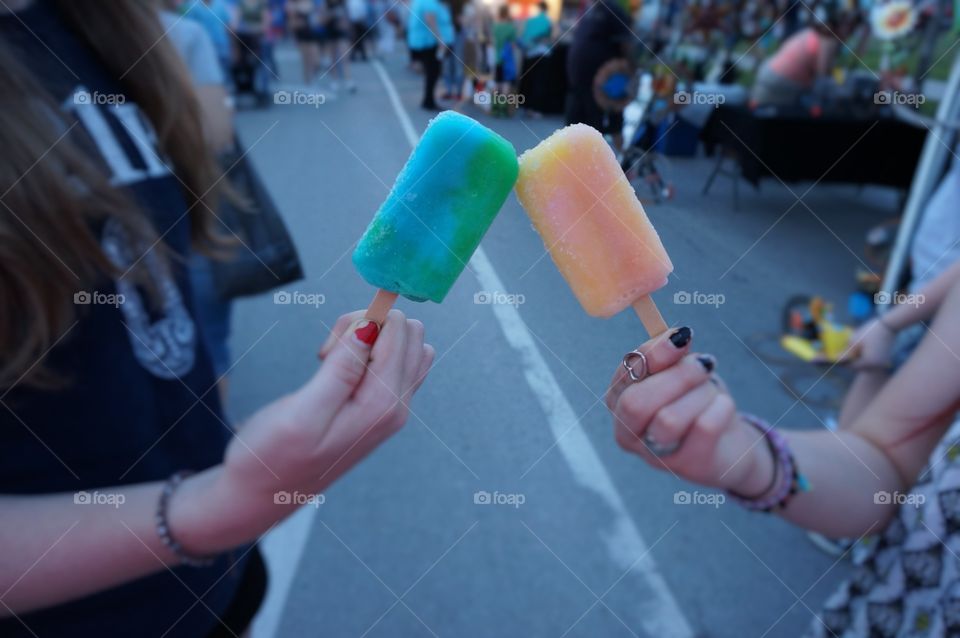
(344, 367)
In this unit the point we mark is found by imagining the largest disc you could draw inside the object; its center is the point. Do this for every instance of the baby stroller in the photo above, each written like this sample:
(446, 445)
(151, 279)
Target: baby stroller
(644, 166)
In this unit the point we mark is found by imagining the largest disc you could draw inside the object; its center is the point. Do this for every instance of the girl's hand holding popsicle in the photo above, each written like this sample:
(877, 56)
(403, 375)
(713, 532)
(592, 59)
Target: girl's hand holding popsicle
(679, 417)
(303, 442)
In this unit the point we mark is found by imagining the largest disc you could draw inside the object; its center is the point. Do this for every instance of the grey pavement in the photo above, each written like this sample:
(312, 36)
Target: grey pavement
(399, 547)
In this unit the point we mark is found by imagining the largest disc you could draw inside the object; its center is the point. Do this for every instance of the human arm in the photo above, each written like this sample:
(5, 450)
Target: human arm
(56, 550)
(884, 449)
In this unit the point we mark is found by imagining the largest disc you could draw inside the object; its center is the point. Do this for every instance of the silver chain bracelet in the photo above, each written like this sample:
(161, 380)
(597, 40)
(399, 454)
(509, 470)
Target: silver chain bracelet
(163, 527)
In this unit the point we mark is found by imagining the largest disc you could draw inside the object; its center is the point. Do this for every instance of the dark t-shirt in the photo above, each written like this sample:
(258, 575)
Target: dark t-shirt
(141, 401)
(598, 38)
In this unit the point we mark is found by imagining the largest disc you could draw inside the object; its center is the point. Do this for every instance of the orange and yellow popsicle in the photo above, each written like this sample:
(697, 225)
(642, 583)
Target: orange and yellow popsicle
(593, 225)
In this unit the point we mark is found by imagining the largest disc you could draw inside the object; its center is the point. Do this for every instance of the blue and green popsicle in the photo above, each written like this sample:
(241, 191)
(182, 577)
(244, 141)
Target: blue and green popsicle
(441, 204)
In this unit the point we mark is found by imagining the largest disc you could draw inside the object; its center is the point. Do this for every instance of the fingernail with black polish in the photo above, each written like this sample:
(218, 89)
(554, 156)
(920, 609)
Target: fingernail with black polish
(681, 337)
(707, 361)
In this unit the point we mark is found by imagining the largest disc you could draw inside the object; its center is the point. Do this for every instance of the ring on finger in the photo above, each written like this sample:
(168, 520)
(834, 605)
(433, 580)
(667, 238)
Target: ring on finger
(630, 360)
(660, 449)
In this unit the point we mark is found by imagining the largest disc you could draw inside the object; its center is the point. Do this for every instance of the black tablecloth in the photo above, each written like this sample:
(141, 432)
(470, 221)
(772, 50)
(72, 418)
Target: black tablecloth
(865, 148)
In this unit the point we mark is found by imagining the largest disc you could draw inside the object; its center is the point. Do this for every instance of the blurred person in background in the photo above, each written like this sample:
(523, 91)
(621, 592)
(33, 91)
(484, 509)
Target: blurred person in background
(806, 56)
(424, 40)
(254, 31)
(387, 26)
(474, 34)
(303, 20)
(504, 36)
(601, 35)
(535, 41)
(216, 113)
(359, 12)
(123, 491)
(338, 32)
(452, 51)
(215, 18)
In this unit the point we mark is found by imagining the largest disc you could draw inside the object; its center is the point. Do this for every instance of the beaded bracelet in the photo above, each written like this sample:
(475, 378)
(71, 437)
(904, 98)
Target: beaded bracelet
(163, 528)
(791, 481)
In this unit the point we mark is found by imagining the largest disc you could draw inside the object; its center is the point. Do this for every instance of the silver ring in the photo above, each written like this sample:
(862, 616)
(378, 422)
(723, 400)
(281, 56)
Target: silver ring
(659, 450)
(644, 370)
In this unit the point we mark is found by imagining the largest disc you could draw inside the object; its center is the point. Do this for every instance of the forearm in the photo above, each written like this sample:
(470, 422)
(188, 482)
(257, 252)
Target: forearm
(56, 550)
(927, 301)
(864, 389)
(845, 472)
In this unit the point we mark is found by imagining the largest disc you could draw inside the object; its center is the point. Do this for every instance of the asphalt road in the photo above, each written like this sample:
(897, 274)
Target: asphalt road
(598, 546)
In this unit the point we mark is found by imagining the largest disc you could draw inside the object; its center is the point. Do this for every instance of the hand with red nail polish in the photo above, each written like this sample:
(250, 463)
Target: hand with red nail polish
(306, 440)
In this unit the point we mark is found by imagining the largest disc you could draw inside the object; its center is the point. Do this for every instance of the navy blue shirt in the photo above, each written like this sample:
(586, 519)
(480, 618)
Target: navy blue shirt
(141, 400)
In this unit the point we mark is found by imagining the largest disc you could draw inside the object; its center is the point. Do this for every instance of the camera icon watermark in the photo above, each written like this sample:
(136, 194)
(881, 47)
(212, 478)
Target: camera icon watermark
(99, 498)
(483, 497)
(297, 298)
(884, 298)
(497, 298)
(697, 298)
(898, 498)
(495, 98)
(899, 98)
(86, 98)
(299, 98)
(97, 298)
(298, 498)
(686, 98)
(711, 499)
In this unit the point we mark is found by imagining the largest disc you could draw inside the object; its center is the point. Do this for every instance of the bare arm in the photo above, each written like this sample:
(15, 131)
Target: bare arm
(875, 340)
(884, 449)
(56, 550)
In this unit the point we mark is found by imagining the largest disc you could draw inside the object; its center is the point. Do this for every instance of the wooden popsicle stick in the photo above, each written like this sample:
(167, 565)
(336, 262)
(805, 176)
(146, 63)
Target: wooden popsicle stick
(650, 316)
(380, 306)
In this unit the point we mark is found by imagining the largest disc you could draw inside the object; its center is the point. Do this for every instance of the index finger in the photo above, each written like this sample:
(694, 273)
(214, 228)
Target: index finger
(661, 352)
(344, 322)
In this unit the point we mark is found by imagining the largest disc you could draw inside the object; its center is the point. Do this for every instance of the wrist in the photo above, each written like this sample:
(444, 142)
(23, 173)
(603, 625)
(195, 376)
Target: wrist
(887, 322)
(206, 519)
(760, 470)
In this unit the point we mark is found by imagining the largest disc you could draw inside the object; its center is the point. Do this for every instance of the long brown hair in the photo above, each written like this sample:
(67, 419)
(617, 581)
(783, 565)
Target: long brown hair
(51, 195)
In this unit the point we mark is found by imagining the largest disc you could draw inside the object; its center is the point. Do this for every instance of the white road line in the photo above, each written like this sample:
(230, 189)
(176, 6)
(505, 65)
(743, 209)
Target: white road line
(282, 549)
(659, 609)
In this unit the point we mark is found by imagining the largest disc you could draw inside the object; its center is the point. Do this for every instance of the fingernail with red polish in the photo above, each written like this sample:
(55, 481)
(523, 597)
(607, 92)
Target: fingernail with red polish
(367, 332)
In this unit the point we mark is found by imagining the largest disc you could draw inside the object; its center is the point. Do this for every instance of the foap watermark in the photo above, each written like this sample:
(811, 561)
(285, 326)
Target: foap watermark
(884, 298)
(498, 498)
(712, 499)
(97, 298)
(899, 498)
(697, 298)
(99, 498)
(297, 298)
(84, 98)
(497, 298)
(299, 98)
(298, 498)
(495, 98)
(686, 98)
(896, 97)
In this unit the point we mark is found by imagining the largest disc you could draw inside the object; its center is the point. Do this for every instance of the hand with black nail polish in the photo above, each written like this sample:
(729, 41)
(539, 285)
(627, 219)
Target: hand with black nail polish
(678, 416)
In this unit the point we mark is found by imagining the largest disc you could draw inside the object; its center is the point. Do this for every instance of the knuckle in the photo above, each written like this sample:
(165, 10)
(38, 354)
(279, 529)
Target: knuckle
(632, 407)
(669, 420)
